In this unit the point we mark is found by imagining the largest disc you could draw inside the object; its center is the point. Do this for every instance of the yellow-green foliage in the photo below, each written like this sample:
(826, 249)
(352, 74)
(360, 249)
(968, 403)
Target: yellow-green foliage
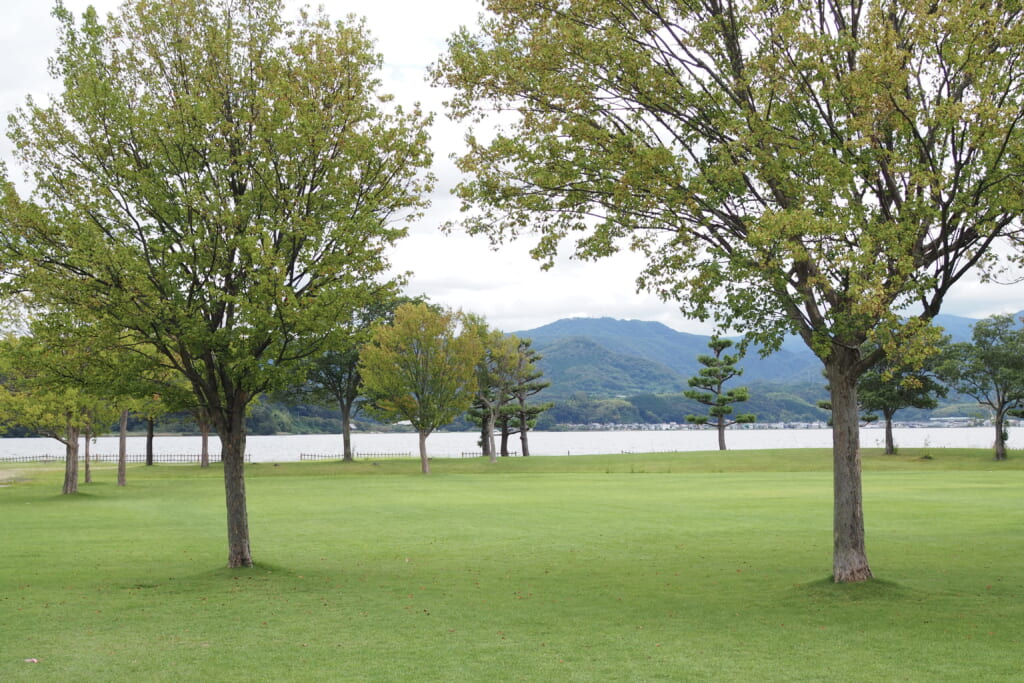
(421, 367)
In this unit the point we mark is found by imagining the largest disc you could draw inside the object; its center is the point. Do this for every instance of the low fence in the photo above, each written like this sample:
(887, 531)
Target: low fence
(358, 455)
(161, 458)
(653, 452)
(134, 458)
(32, 458)
(480, 454)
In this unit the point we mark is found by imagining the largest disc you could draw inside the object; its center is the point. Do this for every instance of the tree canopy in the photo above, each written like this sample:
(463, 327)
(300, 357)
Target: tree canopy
(990, 370)
(496, 375)
(222, 183)
(332, 377)
(889, 387)
(421, 368)
(708, 389)
(828, 169)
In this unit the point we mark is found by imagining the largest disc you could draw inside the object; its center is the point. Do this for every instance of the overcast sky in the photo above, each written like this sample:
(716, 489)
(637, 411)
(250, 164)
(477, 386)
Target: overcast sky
(506, 286)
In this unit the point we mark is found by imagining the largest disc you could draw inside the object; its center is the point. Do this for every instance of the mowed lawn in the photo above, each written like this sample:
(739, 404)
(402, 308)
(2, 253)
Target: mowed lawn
(696, 566)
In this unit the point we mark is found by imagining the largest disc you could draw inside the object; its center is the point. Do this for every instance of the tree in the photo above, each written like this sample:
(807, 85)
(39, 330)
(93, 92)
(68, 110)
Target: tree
(44, 391)
(333, 376)
(708, 389)
(421, 368)
(495, 377)
(890, 387)
(819, 168)
(523, 415)
(990, 370)
(221, 183)
(139, 382)
(113, 367)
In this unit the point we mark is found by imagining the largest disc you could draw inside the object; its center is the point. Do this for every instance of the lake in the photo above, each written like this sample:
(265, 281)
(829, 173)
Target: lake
(452, 444)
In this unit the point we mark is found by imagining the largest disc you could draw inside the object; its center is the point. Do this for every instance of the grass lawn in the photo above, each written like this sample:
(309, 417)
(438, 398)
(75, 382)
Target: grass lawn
(695, 566)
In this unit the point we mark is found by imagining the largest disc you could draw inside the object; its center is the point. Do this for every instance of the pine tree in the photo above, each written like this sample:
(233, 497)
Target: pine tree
(523, 415)
(709, 389)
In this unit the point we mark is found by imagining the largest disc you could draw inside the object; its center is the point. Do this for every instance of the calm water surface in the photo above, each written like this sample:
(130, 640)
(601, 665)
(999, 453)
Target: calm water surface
(286, 448)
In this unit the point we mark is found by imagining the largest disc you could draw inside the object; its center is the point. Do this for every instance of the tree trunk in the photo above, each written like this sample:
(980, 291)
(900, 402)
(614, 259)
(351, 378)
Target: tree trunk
(122, 450)
(150, 423)
(1000, 441)
(890, 444)
(232, 440)
(204, 449)
(504, 442)
(485, 443)
(523, 441)
(489, 419)
(721, 433)
(71, 460)
(424, 461)
(346, 431)
(849, 559)
(88, 468)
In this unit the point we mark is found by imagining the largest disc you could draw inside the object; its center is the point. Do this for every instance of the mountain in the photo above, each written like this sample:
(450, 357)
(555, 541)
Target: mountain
(606, 357)
(581, 364)
(650, 340)
(958, 328)
(672, 358)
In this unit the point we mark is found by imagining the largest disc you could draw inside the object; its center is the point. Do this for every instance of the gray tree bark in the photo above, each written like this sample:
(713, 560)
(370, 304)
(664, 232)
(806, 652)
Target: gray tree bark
(150, 426)
(232, 440)
(204, 452)
(890, 443)
(1000, 441)
(71, 460)
(849, 558)
(346, 430)
(88, 464)
(122, 450)
(424, 461)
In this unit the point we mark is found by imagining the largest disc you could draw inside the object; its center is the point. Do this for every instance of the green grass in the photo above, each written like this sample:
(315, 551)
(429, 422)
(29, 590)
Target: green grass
(608, 568)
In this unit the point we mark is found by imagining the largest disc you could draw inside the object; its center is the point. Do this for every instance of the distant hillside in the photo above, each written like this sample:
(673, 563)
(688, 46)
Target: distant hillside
(581, 364)
(959, 328)
(650, 340)
(605, 357)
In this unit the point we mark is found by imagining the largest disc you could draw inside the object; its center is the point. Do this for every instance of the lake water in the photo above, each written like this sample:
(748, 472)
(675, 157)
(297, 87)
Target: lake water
(444, 444)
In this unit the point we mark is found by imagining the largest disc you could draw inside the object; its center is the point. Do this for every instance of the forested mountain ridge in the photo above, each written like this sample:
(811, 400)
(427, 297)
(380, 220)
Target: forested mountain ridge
(643, 357)
(582, 364)
(588, 359)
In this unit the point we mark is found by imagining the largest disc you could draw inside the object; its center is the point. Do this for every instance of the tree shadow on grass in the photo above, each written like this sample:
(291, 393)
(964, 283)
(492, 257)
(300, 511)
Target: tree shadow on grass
(217, 579)
(260, 572)
(78, 496)
(826, 589)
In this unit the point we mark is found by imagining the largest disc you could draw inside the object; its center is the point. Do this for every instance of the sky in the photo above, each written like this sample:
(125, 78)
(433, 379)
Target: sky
(506, 285)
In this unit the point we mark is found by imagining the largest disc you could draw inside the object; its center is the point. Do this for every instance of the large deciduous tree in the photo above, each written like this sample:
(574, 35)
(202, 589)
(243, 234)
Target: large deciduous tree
(421, 368)
(708, 388)
(990, 370)
(220, 182)
(825, 168)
